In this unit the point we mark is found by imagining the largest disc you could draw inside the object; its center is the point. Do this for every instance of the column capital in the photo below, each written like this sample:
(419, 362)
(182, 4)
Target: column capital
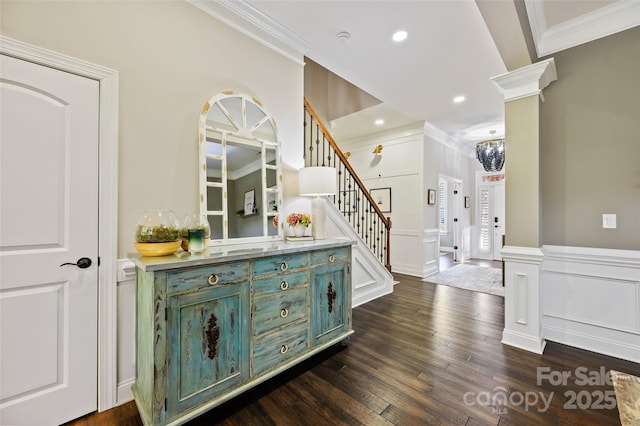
(526, 81)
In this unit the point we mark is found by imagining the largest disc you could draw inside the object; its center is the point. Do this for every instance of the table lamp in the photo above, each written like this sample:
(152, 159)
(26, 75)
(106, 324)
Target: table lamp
(318, 182)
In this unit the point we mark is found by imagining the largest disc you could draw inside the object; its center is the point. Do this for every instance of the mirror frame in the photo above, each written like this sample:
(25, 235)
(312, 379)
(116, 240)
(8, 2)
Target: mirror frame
(247, 132)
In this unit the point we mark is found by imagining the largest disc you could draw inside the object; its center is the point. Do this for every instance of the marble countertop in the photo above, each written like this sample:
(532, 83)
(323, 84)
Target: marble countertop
(218, 254)
(627, 390)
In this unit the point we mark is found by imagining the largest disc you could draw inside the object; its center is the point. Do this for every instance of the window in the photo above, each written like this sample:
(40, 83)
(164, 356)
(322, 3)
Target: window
(442, 206)
(485, 220)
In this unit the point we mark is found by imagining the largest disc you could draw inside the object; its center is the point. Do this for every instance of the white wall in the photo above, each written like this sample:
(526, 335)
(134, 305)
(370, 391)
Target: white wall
(399, 167)
(410, 162)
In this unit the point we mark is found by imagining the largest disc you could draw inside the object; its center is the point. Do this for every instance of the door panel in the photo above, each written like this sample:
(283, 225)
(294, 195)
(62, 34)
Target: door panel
(498, 220)
(491, 213)
(329, 310)
(208, 353)
(49, 199)
(485, 213)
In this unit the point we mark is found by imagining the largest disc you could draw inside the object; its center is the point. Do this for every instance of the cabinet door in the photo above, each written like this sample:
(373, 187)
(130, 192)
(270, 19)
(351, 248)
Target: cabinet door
(207, 344)
(330, 301)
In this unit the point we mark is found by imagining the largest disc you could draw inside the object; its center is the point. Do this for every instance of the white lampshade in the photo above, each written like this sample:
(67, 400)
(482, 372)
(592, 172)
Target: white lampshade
(317, 181)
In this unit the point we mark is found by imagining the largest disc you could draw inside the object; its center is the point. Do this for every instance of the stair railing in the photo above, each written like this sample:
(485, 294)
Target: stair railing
(352, 198)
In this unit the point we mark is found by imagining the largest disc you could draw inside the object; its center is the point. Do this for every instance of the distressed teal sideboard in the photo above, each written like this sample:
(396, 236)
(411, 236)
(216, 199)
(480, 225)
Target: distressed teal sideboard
(211, 326)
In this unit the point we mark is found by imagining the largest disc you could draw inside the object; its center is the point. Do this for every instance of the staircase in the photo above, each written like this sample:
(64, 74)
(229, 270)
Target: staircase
(354, 213)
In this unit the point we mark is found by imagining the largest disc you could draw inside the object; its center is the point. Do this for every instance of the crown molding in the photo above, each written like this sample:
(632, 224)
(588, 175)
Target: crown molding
(438, 135)
(602, 22)
(526, 81)
(243, 17)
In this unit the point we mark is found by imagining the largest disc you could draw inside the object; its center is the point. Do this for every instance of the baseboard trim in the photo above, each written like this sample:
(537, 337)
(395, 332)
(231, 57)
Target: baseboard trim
(598, 344)
(124, 392)
(522, 341)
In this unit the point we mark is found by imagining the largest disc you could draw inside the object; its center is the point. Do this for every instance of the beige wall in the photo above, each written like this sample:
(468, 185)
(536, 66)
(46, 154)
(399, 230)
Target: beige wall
(522, 189)
(590, 145)
(316, 89)
(330, 95)
(171, 59)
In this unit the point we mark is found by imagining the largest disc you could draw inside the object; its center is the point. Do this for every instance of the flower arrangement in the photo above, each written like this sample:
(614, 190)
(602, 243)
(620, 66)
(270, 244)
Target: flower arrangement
(274, 221)
(299, 218)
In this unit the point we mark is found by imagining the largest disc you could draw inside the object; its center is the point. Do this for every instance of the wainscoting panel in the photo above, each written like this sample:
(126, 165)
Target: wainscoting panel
(369, 278)
(431, 247)
(406, 252)
(126, 325)
(520, 288)
(591, 299)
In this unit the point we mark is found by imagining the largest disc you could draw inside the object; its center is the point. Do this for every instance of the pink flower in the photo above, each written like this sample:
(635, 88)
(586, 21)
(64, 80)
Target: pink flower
(302, 218)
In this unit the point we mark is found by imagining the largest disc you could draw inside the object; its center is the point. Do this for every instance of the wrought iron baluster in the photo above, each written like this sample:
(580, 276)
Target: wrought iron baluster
(352, 198)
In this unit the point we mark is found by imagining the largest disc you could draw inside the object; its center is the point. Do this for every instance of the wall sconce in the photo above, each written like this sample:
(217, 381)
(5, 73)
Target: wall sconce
(377, 149)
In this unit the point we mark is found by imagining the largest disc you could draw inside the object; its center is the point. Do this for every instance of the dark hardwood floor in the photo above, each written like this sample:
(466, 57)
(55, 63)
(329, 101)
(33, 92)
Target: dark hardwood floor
(424, 355)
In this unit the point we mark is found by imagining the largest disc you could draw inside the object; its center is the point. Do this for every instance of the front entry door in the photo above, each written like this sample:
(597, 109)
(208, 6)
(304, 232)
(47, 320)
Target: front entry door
(491, 213)
(48, 221)
(498, 220)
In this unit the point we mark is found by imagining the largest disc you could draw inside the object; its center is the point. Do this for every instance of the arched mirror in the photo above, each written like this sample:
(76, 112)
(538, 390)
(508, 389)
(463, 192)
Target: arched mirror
(239, 170)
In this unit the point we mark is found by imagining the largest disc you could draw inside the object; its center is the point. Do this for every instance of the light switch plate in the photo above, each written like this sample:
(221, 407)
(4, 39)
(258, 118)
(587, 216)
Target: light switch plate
(609, 221)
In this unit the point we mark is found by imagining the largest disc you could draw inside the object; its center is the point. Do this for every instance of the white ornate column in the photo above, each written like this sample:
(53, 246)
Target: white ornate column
(522, 89)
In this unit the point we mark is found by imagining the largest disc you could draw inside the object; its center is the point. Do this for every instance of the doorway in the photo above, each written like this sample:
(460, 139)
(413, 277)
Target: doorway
(490, 215)
(105, 237)
(450, 219)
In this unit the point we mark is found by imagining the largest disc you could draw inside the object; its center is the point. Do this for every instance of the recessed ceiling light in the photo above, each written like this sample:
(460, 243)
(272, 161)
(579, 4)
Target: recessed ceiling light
(399, 36)
(459, 99)
(379, 122)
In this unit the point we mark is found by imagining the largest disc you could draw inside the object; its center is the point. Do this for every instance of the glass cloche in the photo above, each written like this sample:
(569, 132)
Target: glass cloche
(158, 233)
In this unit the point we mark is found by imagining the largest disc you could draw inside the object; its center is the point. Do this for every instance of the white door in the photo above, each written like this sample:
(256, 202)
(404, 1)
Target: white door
(456, 208)
(498, 220)
(49, 216)
(491, 212)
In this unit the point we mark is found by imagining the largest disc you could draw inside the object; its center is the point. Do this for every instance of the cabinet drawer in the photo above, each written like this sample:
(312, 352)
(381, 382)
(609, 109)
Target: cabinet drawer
(280, 283)
(273, 349)
(341, 254)
(279, 264)
(207, 276)
(279, 309)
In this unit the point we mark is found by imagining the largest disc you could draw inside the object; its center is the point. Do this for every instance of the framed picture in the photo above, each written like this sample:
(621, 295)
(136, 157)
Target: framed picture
(431, 196)
(467, 202)
(249, 201)
(382, 197)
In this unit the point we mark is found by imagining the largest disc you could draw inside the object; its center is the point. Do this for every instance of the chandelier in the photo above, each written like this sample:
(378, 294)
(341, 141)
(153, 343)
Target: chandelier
(490, 153)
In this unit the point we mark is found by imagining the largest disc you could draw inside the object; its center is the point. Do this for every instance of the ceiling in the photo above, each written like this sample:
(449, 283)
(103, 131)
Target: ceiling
(453, 48)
